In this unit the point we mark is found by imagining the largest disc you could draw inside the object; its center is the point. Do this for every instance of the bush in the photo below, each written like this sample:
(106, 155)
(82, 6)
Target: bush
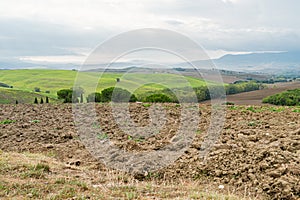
(94, 97)
(5, 85)
(228, 103)
(66, 95)
(159, 98)
(117, 95)
(239, 87)
(36, 89)
(204, 93)
(71, 95)
(287, 98)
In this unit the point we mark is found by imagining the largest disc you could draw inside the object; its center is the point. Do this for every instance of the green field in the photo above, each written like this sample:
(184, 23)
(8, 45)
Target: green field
(9, 96)
(24, 81)
(27, 80)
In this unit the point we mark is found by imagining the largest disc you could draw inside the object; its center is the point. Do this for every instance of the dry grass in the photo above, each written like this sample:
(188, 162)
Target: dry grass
(36, 176)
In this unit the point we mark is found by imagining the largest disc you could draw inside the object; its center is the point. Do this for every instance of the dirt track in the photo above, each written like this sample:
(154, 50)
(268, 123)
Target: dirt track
(258, 150)
(255, 97)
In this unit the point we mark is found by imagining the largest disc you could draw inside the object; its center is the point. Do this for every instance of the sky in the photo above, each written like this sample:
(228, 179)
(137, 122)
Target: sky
(67, 31)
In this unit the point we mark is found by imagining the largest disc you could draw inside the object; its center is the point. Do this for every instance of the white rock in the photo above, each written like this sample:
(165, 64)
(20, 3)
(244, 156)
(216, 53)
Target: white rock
(221, 186)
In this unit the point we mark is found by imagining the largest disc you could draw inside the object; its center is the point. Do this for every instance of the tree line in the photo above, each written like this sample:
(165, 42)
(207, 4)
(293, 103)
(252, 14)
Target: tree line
(198, 94)
(287, 98)
(203, 93)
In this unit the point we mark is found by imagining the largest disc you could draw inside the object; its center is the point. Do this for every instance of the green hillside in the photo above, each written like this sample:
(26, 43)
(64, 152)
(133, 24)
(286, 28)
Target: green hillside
(27, 80)
(54, 80)
(10, 96)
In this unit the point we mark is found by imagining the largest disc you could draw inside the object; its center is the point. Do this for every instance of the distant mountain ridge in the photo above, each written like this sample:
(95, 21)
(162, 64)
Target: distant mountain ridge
(253, 59)
(273, 63)
(254, 62)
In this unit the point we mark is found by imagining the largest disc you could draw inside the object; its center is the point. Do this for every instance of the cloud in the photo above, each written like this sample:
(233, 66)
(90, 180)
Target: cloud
(59, 28)
(230, 1)
(23, 37)
(174, 22)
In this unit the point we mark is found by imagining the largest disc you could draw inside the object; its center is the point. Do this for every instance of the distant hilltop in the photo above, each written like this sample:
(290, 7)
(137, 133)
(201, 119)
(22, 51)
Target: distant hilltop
(271, 63)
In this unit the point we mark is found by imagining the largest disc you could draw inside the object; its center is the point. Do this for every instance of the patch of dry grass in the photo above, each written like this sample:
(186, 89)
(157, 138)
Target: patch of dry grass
(36, 176)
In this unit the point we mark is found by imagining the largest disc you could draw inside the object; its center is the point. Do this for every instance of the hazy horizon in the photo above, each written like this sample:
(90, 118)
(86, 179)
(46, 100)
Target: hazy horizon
(64, 33)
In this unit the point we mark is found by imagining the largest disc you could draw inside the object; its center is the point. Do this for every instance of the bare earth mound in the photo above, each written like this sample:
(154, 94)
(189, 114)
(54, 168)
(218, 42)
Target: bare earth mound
(256, 156)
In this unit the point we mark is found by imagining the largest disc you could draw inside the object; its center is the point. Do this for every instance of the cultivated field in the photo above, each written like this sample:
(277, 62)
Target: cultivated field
(256, 157)
(255, 97)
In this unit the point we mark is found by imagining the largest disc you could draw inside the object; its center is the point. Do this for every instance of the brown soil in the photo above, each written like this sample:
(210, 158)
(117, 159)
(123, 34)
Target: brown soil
(256, 97)
(258, 150)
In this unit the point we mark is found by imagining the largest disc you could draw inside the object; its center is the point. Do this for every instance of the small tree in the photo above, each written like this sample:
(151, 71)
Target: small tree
(47, 99)
(81, 98)
(35, 101)
(17, 102)
(70, 95)
(94, 97)
(66, 95)
(117, 95)
(118, 79)
(42, 101)
(37, 89)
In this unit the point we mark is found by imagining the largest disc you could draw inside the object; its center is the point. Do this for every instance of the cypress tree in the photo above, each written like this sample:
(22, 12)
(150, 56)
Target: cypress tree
(17, 102)
(81, 98)
(42, 101)
(47, 100)
(35, 100)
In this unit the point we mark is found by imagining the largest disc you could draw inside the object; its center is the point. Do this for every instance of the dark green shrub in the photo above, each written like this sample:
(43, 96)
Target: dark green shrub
(94, 97)
(158, 98)
(47, 99)
(70, 95)
(239, 87)
(35, 101)
(37, 89)
(66, 95)
(287, 98)
(228, 103)
(5, 85)
(42, 100)
(117, 95)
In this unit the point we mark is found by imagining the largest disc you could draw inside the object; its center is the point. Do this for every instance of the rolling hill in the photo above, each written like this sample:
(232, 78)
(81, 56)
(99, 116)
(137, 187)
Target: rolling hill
(10, 96)
(50, 81)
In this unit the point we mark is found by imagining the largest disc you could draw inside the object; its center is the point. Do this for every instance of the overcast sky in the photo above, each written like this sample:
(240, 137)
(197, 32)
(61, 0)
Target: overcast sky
(56, 30)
